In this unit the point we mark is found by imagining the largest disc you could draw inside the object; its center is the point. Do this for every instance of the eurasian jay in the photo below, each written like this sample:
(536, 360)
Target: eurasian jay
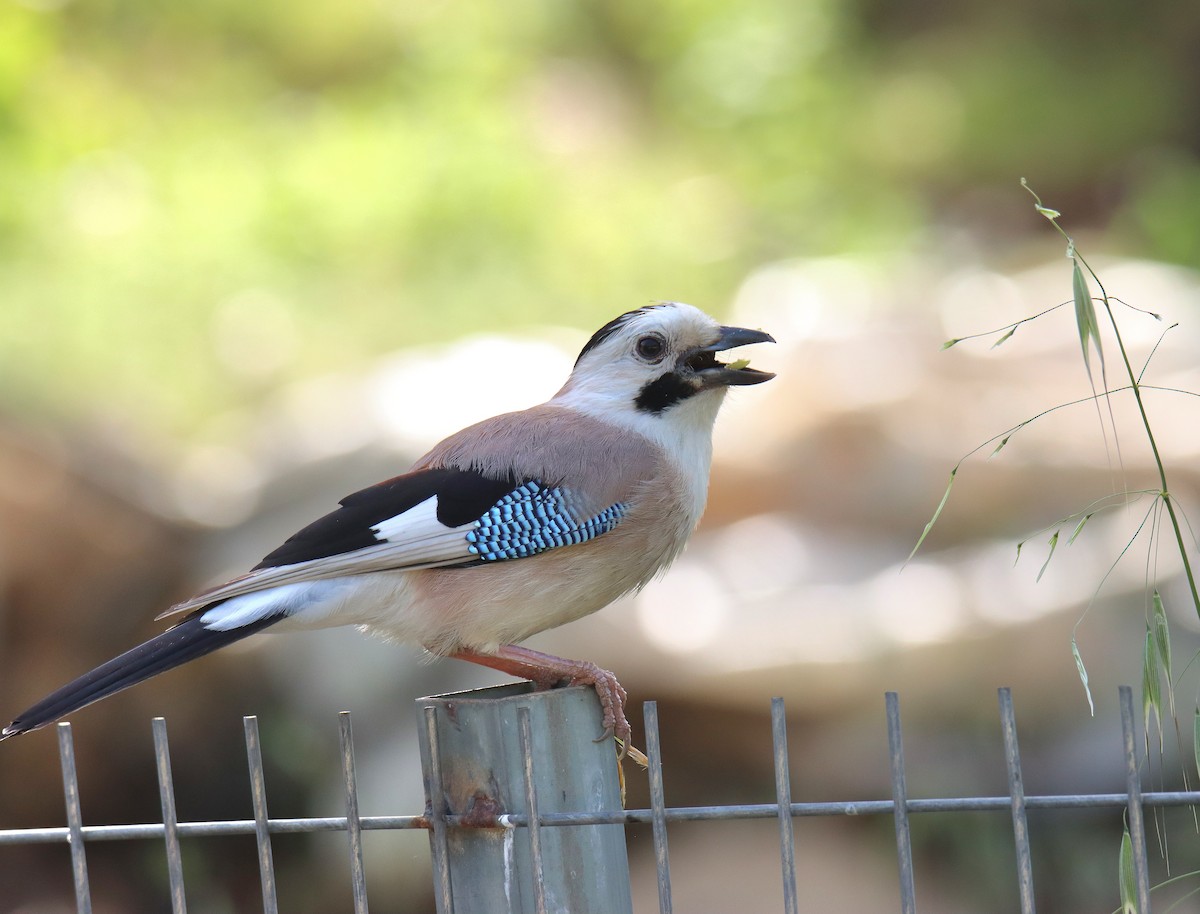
(514, 525)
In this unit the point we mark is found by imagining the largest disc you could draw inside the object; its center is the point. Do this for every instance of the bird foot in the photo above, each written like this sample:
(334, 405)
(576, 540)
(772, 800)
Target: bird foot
(547, 671)
(612, 699)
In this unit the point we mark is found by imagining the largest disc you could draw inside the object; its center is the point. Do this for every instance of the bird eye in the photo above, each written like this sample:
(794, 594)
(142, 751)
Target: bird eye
(651, 348)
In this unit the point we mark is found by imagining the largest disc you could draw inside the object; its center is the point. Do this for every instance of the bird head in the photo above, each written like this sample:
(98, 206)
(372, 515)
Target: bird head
(659, 362)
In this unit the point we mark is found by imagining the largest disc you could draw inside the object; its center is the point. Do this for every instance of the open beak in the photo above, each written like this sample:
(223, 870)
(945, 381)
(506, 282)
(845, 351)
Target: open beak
(718, 374)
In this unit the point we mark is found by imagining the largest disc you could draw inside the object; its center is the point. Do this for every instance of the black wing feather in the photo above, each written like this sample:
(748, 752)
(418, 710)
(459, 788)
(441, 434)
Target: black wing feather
(463, 496)
(186, 641)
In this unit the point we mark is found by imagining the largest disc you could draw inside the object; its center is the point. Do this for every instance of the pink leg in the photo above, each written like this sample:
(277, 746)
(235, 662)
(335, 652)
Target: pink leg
(547, 671)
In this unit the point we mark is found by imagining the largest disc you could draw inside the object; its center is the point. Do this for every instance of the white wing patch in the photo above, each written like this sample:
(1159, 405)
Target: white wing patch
(417, 523)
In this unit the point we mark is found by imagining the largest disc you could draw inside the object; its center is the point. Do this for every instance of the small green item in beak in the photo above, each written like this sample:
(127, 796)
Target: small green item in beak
(738, 364)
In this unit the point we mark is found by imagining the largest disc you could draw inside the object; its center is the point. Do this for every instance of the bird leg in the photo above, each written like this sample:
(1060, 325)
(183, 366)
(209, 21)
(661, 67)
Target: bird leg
(547, 671)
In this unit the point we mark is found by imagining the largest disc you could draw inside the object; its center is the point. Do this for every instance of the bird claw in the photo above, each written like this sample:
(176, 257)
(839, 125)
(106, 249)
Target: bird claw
(612, 701)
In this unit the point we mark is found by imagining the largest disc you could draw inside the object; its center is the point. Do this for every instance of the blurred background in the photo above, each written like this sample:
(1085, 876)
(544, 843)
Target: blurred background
(256, 256)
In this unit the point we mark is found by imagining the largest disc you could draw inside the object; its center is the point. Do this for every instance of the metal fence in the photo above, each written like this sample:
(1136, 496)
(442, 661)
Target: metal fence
(518, 826)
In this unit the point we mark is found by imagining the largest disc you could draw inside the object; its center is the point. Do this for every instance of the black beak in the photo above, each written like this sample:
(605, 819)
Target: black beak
(717, 374)
(732, 337)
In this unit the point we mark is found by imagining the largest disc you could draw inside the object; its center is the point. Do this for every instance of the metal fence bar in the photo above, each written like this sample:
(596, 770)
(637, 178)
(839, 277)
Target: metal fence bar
(358, 873)
(152, 830)
(838, 808)
(900, 806)
(658, 806)
(435, 792)
(66, 755)
(170, 830)
(783, 795)
(1016, 790)
(225, 827)
(166, 795)
(1137, 824)
(535, 826)
(258, 796)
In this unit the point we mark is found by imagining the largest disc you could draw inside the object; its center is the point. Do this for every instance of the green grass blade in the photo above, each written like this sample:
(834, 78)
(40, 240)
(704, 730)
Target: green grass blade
(1087, 689)
(1046, 211)
(1196, 739)
(1079, 527)
(936, 514)
(1004, 339)
(1085, 316)
(1162, 642)
(1151, 688)
(1128, 884)
(1162, 634)
(1050, 555)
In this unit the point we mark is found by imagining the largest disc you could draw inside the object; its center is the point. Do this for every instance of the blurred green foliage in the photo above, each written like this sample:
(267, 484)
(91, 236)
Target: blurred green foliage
(199, 200)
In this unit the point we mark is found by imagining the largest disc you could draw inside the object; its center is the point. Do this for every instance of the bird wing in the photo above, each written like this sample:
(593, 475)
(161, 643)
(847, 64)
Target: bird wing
(428, 518)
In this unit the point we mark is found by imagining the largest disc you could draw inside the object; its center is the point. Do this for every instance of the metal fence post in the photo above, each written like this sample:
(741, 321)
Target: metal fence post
(487, 774)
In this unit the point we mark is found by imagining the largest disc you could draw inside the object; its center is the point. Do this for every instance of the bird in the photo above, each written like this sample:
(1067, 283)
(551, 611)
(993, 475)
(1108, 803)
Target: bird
(514, 525)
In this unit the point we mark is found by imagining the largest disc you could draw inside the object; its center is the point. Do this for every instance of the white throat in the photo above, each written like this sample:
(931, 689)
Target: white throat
(683, 432)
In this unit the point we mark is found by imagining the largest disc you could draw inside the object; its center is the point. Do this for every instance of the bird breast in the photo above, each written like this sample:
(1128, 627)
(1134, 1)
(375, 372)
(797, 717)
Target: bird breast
(486, 606)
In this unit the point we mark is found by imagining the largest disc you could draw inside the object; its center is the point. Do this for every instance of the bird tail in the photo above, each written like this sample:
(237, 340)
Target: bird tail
(186, 641)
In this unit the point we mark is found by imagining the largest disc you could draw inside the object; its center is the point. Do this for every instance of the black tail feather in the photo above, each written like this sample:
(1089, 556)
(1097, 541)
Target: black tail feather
(186, 641)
